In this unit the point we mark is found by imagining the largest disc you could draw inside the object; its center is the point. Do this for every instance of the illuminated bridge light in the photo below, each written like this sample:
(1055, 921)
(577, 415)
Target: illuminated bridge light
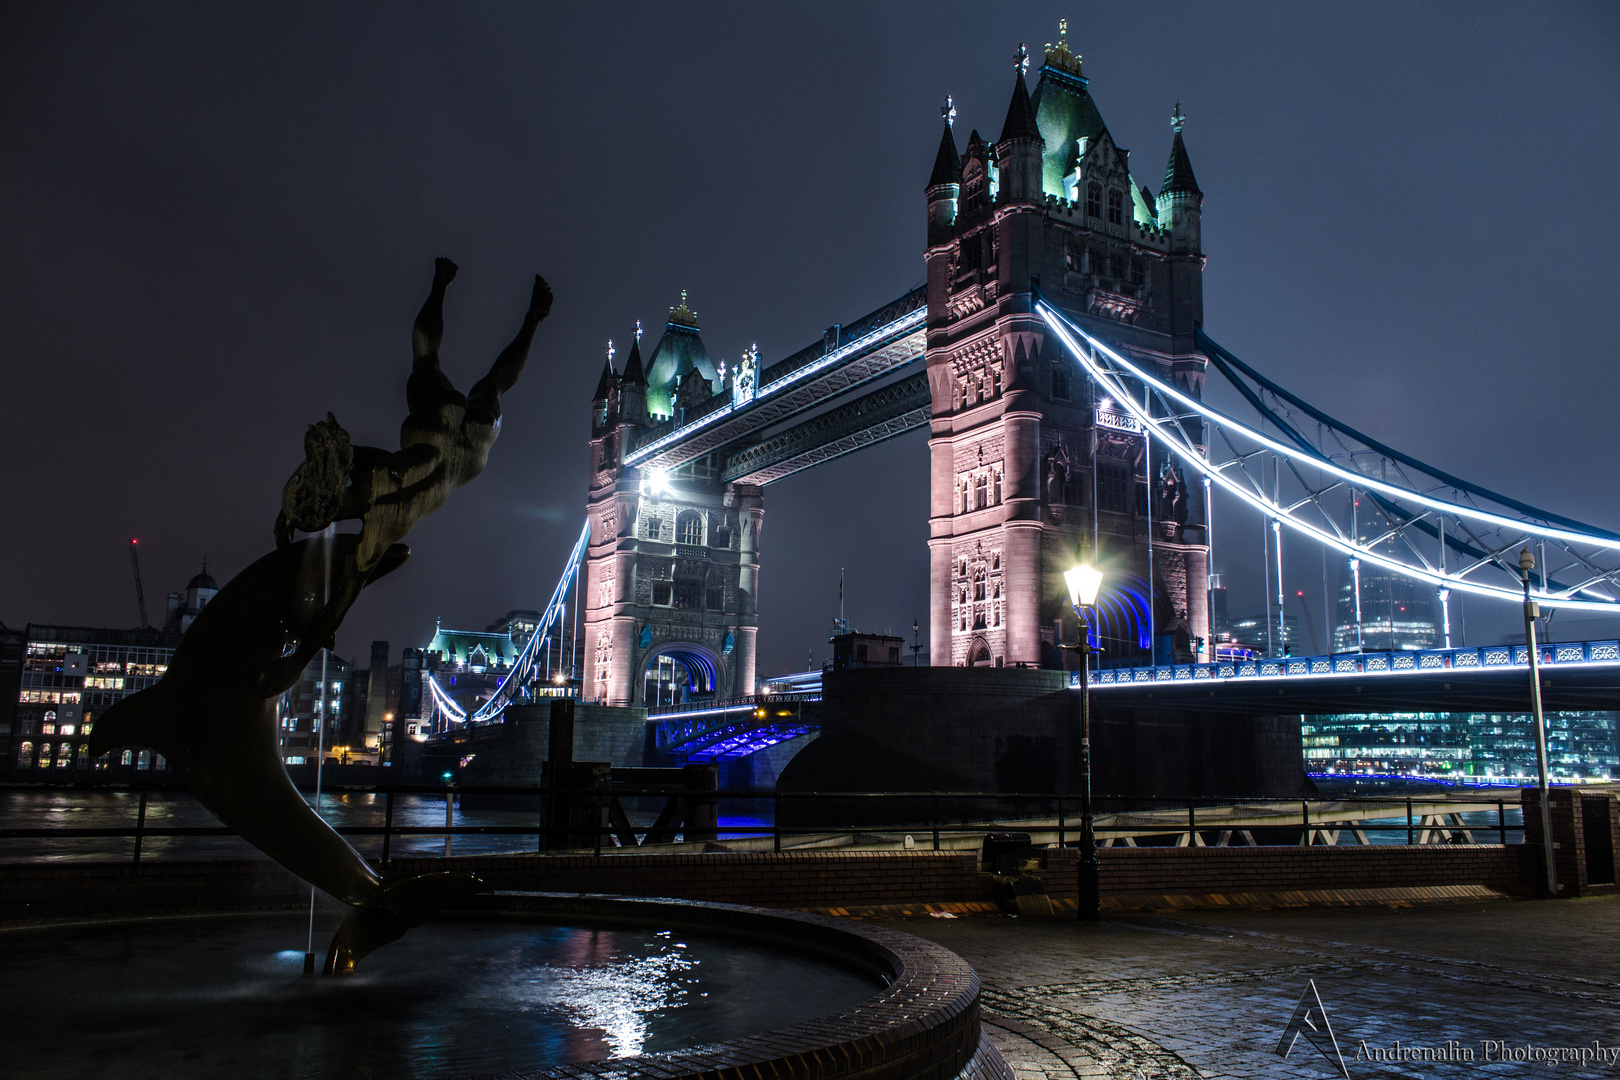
(1569, 654)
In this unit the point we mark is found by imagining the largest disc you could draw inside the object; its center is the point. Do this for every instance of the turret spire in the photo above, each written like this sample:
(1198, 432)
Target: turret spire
(632, 366)
(1020, 113)
(604, 386)
(947, 165)
(1178, 173)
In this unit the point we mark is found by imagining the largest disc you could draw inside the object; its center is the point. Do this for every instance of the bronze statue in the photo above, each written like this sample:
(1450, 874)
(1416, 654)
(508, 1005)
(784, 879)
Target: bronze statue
(213, 714)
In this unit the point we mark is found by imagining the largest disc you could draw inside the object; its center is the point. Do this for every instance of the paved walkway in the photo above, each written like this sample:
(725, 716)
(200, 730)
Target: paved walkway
(1208, 994)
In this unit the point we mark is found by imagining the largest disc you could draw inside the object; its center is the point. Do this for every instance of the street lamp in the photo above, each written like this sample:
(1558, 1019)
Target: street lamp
(1083, 583)
(1527, 563)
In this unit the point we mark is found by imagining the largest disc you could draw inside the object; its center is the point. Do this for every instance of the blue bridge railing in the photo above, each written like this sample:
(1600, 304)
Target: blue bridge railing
(1551, 654)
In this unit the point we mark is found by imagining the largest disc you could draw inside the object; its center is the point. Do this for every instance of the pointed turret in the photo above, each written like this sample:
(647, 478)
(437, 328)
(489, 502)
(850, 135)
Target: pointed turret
(1018, 153)
(947, 166)
(604, 385)
(945, 182)
(633, 385)
(1180, 202)
(632, 366)
(1178, 173)
(601, 401)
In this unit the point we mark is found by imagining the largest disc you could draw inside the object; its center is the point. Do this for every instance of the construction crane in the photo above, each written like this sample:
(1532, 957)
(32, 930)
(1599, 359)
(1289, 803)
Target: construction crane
(140, 594)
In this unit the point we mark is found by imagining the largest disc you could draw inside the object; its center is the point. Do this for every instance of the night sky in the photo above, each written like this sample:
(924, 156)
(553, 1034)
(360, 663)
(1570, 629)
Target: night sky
(218, 222)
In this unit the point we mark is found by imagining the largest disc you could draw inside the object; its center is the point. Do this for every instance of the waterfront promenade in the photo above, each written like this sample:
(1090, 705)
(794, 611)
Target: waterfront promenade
(1207, 995)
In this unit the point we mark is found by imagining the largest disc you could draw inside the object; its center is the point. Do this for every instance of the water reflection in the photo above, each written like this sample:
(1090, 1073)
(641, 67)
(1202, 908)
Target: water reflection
(226, 995)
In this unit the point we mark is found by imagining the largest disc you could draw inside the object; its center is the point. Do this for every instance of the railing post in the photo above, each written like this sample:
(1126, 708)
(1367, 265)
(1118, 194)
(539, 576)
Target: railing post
(936, 821)
(388, 825)
(1305, 820)
(1410, 839)
(140, 826)
(1501, 822)
(1192, 824)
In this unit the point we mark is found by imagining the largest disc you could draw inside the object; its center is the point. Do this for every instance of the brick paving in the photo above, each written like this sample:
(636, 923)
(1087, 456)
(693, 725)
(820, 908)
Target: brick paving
(1200, 994)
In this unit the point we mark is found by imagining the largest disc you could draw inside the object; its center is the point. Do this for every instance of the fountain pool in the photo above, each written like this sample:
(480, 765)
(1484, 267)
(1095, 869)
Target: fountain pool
(224, 996)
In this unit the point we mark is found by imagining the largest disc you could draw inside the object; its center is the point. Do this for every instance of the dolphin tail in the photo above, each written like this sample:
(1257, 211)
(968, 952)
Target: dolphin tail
(141, 719)
(396, 907)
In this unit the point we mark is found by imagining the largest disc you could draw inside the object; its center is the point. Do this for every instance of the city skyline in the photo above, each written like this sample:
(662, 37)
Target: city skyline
(215, 247)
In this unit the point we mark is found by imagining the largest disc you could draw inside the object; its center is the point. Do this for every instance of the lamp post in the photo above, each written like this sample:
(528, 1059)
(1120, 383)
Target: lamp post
(1083, 583)
(1527, 563)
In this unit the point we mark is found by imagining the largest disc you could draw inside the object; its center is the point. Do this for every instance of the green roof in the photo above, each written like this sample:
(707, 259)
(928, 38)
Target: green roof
(1065, 113)
(679, 351)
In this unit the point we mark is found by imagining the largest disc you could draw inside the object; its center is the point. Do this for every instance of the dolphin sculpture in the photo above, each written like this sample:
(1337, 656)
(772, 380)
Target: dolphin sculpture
(213, 715)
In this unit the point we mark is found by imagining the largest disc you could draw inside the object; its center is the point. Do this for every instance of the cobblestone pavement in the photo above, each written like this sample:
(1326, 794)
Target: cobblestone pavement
(1208, 994)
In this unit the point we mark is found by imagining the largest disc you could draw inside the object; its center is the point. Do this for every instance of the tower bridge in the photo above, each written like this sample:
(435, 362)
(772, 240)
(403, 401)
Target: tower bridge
(1057, 354)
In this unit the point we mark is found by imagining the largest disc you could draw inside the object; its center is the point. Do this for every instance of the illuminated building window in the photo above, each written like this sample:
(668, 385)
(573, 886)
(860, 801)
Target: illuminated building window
(689, 529)
(25, 754)
(128, 758)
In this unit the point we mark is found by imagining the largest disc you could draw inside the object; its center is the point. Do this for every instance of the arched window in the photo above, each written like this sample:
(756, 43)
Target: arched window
(981, 491)
(1116, 204)
(978, 584)
(128, 758)
(1094, 200)
(25, 755)
(995, 488)
(689, 529)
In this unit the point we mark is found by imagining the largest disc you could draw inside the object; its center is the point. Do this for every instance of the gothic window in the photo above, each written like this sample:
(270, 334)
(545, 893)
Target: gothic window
(1078, 492)
(25, 754)
(995, 494)
(650, 526)
(715, 600)
(978, 619)
(995, 561)
(1060, 383)
(1099, 261)
(1116, 203)
(1071, 258)
(966, 506)
(995, 382)
(981, 492)
(1137, 272)
(962, 568)
(689, 529)
(1116, 266)
(1094, 200)
(998, 612)
(1142, 499)
(978, 584)
(661, 593)
(1113, 488)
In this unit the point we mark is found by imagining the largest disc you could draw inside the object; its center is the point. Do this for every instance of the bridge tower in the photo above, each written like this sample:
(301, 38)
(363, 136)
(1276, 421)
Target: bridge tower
(1030, 469)
(671, 570)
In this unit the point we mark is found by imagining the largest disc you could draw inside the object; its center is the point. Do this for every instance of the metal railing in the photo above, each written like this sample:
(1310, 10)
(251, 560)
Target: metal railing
(582, 819)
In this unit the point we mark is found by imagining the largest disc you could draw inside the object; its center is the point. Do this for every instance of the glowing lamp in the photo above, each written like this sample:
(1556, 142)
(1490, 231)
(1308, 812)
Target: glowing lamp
(657, 481)
(1083, 582)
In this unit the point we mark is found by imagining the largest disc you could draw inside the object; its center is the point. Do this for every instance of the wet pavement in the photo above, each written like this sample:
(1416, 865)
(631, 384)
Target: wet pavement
(1431, 991)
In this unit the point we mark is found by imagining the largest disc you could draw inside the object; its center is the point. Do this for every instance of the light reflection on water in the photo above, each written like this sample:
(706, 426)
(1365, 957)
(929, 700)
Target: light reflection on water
(226, 995)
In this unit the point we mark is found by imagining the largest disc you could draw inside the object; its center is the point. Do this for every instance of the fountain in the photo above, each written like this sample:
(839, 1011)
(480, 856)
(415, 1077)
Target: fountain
(536, 984)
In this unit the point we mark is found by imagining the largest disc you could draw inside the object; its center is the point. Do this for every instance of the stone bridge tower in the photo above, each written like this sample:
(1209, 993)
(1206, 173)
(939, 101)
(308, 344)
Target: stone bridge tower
(671, 571)
(1030, 468)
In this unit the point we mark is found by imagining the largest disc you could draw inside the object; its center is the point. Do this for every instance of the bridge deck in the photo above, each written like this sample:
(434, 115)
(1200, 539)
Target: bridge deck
(877, 346)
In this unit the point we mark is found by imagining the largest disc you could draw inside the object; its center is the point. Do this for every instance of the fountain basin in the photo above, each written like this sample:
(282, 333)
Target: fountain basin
(526, 984)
